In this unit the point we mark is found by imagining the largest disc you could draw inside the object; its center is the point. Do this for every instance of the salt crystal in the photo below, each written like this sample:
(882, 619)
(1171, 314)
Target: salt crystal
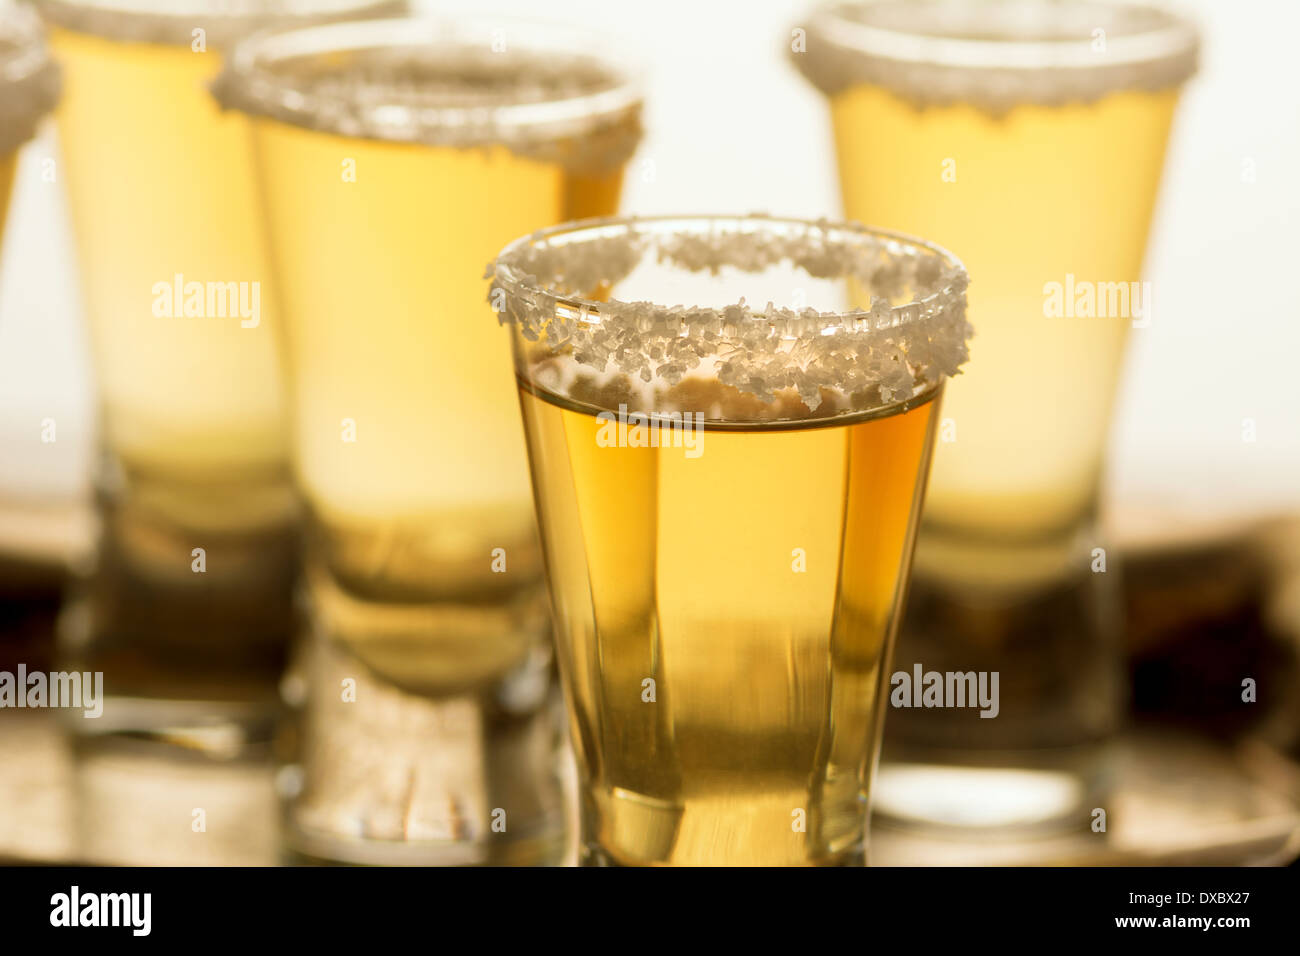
(894, 351)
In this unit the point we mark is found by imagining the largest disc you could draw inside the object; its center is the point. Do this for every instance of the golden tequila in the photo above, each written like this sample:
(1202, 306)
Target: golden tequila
(160, 184)
(408, 446)
(683, 570)
(1037, 194)
(725, 560)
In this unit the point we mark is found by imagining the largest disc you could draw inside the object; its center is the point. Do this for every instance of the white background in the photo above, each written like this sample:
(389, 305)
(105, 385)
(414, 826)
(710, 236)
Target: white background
(733, 128)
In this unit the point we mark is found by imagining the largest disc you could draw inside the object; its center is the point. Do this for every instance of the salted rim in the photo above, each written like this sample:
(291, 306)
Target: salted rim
(29, 79)
(1003, 59)
(597, 129)
(225, 22)
(901, 349)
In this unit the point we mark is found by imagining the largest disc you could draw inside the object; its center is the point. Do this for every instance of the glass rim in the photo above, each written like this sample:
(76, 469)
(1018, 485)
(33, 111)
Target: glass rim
(29, 79)
(250, 83)
(901, 346)
(1158, 48)
(172, 22)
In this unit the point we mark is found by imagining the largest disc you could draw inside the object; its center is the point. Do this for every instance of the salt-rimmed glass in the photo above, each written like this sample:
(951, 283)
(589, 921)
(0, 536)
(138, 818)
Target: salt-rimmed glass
(1031, 136)
(29, 87)
(729, 422)
(396, 157)
(187, 609)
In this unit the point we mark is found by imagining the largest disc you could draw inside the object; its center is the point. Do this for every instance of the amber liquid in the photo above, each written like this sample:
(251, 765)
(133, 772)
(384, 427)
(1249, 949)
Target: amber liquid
(1023, 199)
(756, 586)
(407, 441)
(160, 184)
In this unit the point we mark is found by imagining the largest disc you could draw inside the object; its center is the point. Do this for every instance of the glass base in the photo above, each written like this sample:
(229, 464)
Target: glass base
(199, 802)
(31, 594)
(191, 651)
(1032, 793)
(384, 776)
(1042, 761)
(592, 854)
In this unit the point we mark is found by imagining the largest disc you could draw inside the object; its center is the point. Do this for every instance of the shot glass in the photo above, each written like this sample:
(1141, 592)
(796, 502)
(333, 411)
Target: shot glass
(727, 494)
(1030, 135)
(395, 157)
(187, 608)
